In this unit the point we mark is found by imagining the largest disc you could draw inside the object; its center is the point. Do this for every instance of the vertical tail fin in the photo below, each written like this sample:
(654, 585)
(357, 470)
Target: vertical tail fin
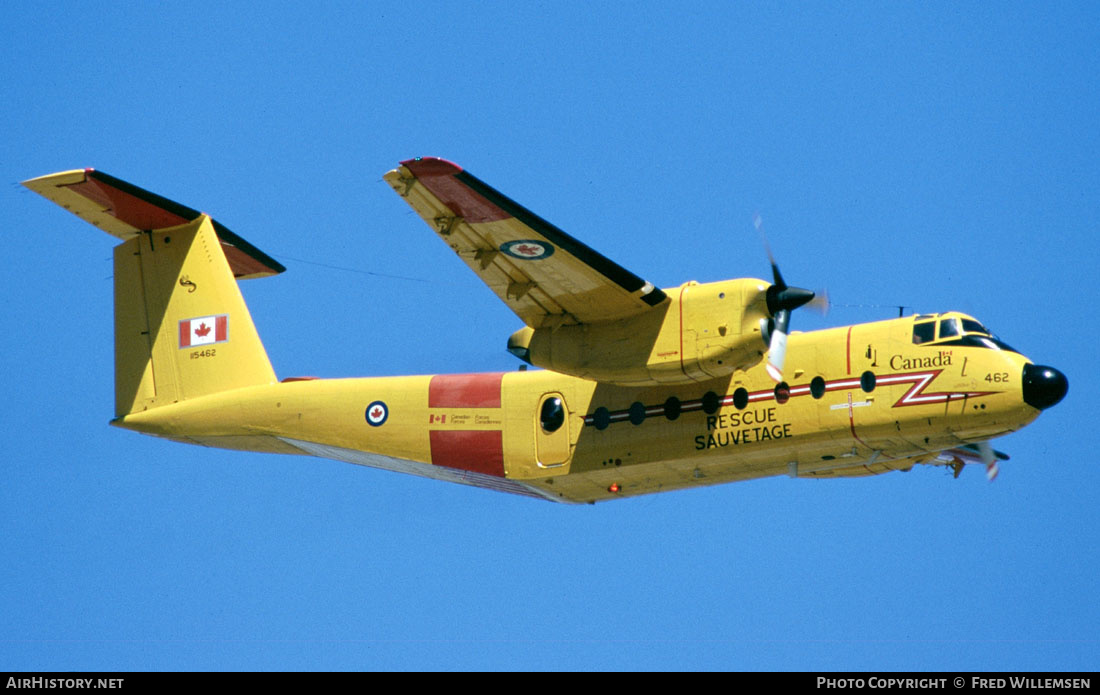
(182, 329)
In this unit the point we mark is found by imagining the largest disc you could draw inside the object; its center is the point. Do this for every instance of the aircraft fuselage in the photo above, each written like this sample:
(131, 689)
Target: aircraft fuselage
(859, 400)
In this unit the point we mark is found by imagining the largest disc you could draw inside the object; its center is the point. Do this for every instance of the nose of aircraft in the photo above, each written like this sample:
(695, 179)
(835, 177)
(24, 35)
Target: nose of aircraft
(1043, 386)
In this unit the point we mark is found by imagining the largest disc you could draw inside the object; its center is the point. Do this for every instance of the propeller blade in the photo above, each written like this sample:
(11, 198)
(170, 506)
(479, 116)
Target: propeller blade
(782, 300)
(777, 348)
(820, 303)
(985, 450)
(758, 222)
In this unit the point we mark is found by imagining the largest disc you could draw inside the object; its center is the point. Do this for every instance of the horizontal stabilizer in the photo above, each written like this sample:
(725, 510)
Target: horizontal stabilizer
(124, 210)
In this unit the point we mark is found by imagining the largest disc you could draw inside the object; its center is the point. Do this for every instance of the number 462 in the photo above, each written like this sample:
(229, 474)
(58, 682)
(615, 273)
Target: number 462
(997, 377)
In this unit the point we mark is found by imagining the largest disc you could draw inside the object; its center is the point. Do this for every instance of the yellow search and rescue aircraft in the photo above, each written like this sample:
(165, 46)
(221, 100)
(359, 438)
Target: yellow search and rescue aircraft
(644, 390)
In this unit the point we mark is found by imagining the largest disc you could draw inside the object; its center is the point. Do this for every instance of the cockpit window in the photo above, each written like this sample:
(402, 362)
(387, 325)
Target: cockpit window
(981, 342)
(971, 326)
(924, 332)
(955, 331)
(997, 343)
(949, 328)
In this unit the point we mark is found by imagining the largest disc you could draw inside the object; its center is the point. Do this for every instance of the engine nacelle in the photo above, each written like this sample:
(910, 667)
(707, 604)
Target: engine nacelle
(704, 331)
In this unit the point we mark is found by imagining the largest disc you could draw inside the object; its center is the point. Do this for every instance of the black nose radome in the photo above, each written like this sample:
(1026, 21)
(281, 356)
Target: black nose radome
(1043, 386)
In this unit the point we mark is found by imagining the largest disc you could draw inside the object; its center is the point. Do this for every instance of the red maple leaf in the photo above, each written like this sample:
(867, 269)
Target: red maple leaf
(202, 330)
(528, 250)
(376, 413)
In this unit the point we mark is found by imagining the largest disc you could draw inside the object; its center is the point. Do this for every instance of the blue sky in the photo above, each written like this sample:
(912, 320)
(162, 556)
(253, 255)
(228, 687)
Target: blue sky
(938, 156)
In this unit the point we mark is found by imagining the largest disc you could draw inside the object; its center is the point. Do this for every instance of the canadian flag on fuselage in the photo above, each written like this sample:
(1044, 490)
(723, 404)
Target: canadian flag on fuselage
(204, 330)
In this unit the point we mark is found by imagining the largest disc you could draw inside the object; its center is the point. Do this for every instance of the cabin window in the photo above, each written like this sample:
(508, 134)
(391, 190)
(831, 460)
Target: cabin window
(601, 418)
(710, 402)
(552, 415)
(637, 413)
(782, 393)
(817, 387)
(867, 381)
(672, 408)
(740, 399)
(924, 332)
(949, 328)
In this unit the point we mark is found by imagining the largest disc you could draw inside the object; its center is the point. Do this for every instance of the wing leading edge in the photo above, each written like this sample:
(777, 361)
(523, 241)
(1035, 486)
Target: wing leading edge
(545, 276)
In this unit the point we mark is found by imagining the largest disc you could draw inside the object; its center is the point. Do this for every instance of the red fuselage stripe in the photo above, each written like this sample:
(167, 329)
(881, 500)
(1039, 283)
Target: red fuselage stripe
(465, 390)
(480, 451)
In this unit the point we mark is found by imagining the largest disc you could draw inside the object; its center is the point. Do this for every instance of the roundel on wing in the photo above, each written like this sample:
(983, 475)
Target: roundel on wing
(376, 413)
(527, 250)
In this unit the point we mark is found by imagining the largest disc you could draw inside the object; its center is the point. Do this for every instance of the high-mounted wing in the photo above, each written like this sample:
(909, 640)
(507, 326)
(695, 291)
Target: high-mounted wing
(545, 276)
(123, 210)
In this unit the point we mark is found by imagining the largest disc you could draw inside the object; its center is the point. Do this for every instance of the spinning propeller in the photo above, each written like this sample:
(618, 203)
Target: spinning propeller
(782, 300)
(989, 458)
(982, 452)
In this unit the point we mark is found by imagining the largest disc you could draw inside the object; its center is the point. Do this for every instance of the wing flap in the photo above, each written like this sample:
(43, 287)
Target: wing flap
(123, 210)
(545, 276)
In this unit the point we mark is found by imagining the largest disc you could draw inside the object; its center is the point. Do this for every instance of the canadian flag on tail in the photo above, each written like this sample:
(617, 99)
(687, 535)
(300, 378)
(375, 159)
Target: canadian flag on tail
(204, 330)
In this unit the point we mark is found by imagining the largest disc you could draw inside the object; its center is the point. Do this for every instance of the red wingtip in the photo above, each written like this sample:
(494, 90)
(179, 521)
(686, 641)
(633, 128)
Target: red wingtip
(431, 166)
